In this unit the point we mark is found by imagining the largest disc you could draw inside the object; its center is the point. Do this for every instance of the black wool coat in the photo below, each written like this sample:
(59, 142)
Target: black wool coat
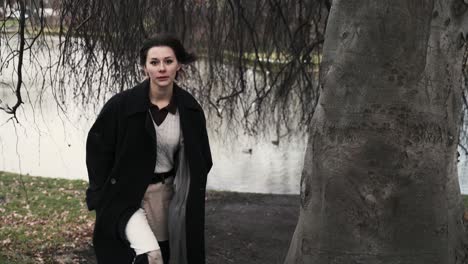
(121, 157)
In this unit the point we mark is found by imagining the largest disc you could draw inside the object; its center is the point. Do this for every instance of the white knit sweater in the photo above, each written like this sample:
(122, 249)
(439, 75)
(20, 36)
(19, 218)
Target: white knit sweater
(167, 142)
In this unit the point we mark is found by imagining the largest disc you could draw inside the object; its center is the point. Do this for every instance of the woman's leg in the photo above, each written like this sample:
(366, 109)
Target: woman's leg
(156, 204)
(142, 239)
(153, 257)
(164, 246)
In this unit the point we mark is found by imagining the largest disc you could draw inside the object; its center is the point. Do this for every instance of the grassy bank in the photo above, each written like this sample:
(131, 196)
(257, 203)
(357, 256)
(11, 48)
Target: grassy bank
(42, 220)
(49, 222)
(11, 26)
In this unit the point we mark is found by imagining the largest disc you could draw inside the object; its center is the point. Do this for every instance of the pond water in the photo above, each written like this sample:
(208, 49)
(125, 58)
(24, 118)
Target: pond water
(46, 142)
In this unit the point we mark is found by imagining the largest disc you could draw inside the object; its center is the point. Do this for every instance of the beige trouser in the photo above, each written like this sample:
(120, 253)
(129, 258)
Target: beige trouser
(149, 224)
(156, 204)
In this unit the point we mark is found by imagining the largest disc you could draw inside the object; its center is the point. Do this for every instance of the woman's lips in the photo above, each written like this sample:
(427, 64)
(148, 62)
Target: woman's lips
(163, 78)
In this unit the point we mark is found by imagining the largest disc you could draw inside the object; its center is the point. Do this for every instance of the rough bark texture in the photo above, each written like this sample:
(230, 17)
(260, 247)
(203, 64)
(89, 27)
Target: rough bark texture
(380, 179)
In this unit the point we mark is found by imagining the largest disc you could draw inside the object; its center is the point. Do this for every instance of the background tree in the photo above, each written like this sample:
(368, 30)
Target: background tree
(380, 178)
(24, 37)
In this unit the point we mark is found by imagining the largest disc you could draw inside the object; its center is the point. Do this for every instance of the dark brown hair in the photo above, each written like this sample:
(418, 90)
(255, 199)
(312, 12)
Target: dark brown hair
(168, 40)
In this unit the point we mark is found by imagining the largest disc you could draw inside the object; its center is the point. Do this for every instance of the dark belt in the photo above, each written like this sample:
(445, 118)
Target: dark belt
(161, 177)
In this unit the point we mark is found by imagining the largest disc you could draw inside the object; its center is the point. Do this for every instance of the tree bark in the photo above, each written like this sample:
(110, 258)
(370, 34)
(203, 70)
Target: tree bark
(380, 183)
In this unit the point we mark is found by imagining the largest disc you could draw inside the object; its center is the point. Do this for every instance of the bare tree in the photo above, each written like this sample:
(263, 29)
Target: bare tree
(257, 57)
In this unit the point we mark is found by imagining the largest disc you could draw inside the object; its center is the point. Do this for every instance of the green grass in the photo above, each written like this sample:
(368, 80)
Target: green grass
(50, 216)
(9, 23)
(275, 60)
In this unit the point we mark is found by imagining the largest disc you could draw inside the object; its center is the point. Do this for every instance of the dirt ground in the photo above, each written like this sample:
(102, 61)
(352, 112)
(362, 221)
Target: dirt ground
(245, 228)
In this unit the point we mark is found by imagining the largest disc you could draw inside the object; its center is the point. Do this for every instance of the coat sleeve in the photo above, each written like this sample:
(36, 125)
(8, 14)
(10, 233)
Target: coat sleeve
(205, 143)
(100, 151)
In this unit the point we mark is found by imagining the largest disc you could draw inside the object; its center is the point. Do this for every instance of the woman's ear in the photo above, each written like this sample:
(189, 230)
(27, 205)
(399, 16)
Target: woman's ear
(144, 72)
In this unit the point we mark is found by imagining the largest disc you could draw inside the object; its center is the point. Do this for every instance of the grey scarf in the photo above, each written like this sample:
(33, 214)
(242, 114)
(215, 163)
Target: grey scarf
(177, 209)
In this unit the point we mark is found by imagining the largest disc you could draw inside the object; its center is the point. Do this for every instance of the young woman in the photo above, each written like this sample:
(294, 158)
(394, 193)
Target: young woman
(148, 157)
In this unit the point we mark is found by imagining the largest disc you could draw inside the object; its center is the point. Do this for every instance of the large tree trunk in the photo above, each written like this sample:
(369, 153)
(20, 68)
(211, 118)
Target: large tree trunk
(380, 183)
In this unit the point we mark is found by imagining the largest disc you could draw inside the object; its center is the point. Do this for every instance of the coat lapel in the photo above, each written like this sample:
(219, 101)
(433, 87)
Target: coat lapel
(139, 102)
(138, 99)
(149, 127)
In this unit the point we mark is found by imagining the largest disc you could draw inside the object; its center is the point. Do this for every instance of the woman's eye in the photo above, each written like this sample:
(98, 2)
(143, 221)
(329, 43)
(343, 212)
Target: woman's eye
(154, 63)
(169, 61)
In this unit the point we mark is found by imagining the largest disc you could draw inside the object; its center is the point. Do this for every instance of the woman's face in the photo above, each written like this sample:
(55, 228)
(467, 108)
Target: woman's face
(161, 66)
